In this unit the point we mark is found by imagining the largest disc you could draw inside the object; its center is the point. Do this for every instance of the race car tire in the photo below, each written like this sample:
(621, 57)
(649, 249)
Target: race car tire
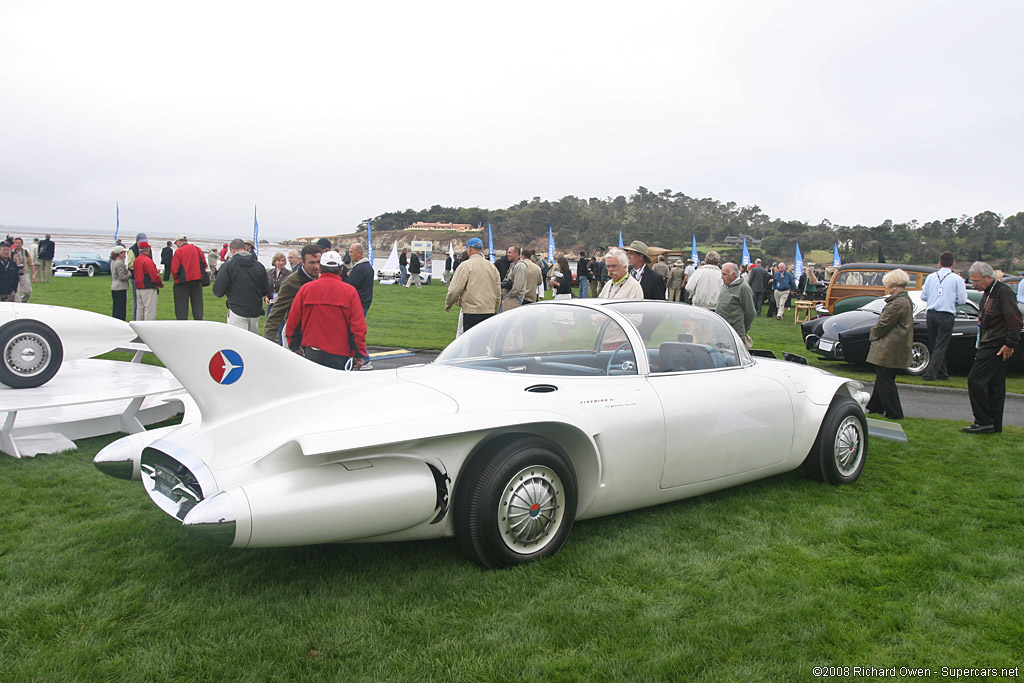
(841, 446)
(516, 506)
(30, 354)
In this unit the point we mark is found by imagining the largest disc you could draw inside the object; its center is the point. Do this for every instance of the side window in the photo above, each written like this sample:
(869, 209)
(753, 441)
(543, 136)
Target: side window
(966, 311)
(683, 338)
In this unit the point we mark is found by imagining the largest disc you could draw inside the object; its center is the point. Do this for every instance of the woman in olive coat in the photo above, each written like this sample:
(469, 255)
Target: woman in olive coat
(891, 340)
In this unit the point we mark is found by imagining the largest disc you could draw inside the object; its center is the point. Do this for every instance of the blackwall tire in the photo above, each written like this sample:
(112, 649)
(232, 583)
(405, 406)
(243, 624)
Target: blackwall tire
(30, 354)
(516, 506)
(841, 447)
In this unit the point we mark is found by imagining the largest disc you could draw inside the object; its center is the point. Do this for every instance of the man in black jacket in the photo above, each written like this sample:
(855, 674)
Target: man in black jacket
(360, 276)
(999, 325)
(403, 266)
(244, 280)
(757, 278)
(9, 277)
(166, 256)
(46, 251)
(652, 283)
(414, 271)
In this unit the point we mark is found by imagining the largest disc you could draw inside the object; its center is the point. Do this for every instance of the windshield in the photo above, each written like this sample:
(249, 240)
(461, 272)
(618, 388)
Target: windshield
(84, 254)
(875, 306)
(548, 338)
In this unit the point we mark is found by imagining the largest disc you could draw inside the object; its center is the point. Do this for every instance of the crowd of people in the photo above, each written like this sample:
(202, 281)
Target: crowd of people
(21, 267)
(316, 301)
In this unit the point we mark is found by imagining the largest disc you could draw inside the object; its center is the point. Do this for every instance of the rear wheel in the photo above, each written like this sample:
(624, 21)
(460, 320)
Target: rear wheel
(517, 505)
(920, 356)
(30, 354)
(841, 447)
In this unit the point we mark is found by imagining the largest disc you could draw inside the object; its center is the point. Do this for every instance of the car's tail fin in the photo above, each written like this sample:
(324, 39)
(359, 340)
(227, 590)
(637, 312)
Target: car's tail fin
(225, 368)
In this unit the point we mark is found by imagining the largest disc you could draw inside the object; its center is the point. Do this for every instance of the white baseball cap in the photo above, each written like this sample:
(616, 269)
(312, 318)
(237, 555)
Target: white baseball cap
(330, 258)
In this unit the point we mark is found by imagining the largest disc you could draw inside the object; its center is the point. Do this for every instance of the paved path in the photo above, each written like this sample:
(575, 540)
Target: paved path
(945, 403)
(941, 403)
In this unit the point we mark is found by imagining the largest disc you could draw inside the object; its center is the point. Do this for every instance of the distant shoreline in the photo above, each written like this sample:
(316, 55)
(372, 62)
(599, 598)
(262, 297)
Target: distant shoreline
(126, 234)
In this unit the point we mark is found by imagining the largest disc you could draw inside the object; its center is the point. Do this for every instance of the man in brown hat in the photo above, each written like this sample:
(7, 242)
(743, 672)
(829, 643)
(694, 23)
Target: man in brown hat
(651, 282)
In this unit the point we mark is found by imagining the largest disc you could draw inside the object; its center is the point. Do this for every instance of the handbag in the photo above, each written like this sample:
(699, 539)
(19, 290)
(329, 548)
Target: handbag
(205, 270)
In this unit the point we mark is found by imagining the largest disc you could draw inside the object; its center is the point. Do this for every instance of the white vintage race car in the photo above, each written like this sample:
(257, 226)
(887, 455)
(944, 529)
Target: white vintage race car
(536, 418)
(36, 339)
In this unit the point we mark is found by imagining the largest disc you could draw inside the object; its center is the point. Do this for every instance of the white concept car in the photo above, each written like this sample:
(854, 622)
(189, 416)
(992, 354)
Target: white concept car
(536, 418)
(36, 339)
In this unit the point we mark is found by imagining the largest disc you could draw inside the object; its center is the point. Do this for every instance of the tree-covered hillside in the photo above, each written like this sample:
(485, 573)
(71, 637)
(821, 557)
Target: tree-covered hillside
(668, 219)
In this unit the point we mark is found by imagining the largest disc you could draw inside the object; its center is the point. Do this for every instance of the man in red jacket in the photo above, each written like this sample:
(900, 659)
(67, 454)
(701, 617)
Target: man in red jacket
(187, 266)
(325, 322)
(147, 283)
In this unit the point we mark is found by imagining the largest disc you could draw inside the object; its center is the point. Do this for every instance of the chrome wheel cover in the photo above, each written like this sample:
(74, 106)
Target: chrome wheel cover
(531, 509)
(27, 354)
(849, 446)
(919, 357)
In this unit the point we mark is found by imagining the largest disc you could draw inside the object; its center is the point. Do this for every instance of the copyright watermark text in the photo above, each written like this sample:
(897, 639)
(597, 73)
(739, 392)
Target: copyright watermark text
(914, 672)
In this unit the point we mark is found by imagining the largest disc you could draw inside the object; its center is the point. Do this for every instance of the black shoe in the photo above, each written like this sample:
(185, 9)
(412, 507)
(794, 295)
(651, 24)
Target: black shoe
(979, 429)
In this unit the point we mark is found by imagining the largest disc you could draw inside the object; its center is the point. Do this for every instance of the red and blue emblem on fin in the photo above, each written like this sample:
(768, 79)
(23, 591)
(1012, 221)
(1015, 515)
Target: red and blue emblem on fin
(226, 366)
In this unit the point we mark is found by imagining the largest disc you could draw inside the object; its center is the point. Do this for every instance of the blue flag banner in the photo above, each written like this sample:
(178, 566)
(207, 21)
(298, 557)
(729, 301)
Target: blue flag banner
(255, 232)
(490, 243)
(798, 263)
(369, 242)
(117, 225)
(693, 252)
(746, 254)
(620, 239)
(836, 261)
(551, 245)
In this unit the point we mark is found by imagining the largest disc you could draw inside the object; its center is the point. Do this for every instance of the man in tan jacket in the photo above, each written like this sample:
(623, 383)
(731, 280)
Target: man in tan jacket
(475, 287)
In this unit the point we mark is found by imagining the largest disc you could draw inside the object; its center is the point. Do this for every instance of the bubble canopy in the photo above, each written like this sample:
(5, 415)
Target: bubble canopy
(594, 338)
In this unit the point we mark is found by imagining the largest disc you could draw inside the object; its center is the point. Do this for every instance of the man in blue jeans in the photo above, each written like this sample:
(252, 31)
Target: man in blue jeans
(583, 274)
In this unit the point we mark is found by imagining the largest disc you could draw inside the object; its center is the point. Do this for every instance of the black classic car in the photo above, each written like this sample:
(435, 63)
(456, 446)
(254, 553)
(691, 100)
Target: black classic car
(846, 336)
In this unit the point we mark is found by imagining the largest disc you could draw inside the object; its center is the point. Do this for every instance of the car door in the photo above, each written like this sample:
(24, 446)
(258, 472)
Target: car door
(723, 414)
(964, 335)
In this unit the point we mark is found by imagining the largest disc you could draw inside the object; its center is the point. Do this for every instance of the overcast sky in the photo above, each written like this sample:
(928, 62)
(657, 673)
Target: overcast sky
(322, 114)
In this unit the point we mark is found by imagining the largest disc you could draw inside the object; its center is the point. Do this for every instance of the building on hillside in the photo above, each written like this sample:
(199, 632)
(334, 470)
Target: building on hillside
(458, 227)
(737, 241)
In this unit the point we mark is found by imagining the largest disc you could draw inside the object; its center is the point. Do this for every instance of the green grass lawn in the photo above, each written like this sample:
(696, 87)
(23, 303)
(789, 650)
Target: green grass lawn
(920, 563)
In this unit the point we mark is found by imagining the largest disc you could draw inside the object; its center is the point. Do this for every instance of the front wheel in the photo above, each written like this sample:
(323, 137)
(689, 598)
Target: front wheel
(920, 356)
(30, 354)
(90, 270)
(517, 505)
(841, 447)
